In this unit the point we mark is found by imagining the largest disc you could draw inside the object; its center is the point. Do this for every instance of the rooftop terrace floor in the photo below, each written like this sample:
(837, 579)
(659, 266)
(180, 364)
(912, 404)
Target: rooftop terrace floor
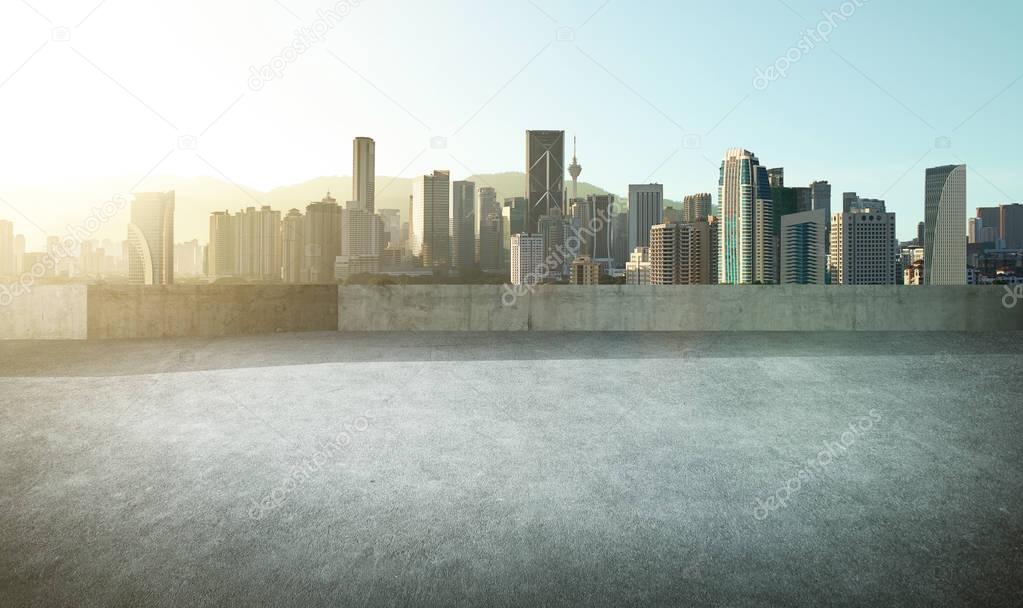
(332, 469)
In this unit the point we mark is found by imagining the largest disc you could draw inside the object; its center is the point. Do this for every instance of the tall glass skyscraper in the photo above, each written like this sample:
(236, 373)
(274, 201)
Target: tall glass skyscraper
(151, 239)
(364, 151)
(646, 210)
(545, 175)
(431, 217)
(747, 219)
(463, 225)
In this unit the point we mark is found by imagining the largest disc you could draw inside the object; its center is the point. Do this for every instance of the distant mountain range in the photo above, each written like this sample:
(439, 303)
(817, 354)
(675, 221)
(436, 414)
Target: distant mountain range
(196, 197)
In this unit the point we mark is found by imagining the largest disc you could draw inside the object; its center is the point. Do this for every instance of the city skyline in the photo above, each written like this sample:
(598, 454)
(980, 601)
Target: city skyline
(898, 121)
(251, 245)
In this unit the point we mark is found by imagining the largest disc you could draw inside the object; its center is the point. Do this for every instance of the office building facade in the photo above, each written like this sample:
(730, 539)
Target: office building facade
(584, 271)
(945, 220)
(864, 248)
(684, 253)
(364, 151)
(292, 246)
(151, 239)
(697, 207)
(8, 263)
(803, 251)
(431, 217)
(646, 210)
(527, 259)
(545, 175)
(321, 231)
(637, 269)
(747, 246)
(463, 225)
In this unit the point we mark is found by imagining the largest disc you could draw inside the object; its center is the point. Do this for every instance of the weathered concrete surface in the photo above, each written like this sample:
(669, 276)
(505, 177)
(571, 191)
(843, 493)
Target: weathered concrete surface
(429, 307)
(65, 312)
(517, 469)
(47, 312)
(676, 308)
(209, 310)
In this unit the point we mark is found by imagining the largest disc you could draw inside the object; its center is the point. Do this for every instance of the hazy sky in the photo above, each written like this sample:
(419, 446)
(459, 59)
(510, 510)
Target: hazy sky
(655, 90)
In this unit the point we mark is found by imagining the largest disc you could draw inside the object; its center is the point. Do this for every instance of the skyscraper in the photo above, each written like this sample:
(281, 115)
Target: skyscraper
(803, 252)
(683, 253)
(431, 216)
(864, 248)
(696, 207)
(489, 230)
(392, 227)
(637, 269)
(151, 239)
(945, 219)
(463, 225)
(646, 209)
(19, 253)
(552, 228)
(321, 232)
(747, 219)
(991, 217)
(259, 244)
(582, 214)
(188, 258)
(978, 233)
(848, 200)
(604, 209)
(515, 212)
(820, 198)
(292, 246)
(491, 247)
(8, 266)
(785, 201)
(364, 172)
(620, 253)
(1010, 219)
(362, 234)
(545, 174)
(527, 259)
(852, 201)
(222, 250)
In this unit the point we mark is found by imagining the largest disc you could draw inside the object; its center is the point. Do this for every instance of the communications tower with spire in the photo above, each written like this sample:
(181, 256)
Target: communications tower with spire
(575, 169)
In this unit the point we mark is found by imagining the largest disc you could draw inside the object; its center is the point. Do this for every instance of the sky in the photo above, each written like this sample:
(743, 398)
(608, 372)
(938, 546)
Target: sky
(655, 90)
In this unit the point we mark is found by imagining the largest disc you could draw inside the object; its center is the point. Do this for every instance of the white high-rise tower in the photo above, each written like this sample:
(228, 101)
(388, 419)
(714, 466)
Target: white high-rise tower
(945, 226)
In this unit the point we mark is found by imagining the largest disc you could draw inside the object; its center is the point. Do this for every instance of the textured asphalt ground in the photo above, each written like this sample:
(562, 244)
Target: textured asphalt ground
(514, 470)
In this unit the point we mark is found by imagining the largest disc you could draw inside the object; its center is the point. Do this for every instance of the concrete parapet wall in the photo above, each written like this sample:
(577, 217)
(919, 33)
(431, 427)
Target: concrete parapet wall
(75, 312)
(430, 308)
(677, 308)
(47, 312)
(136, 311)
